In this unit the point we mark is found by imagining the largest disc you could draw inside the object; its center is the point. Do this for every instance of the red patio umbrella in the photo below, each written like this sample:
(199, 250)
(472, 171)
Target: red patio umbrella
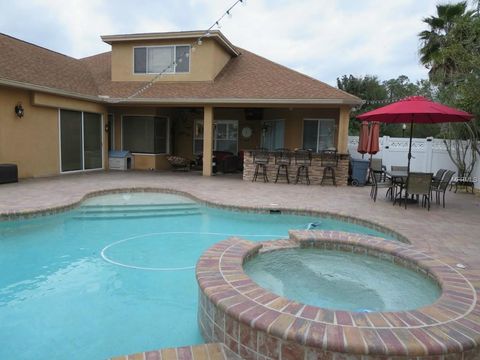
(363, 138)
(373, 143)
(415, 109)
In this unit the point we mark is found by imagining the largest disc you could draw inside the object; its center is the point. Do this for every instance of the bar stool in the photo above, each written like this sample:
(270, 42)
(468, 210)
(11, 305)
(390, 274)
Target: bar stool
(260, 159)
(303, 160)
(283, 159)
(329, 160)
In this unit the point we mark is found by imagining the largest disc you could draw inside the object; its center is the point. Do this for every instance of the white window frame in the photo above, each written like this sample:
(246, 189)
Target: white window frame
(215, 122)
(150, 116)
(102, 126)
(318, 130)
(170, 72)
(195, 121)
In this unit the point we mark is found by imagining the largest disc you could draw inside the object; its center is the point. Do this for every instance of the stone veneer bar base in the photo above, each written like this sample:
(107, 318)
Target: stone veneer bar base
(315, 170)
(257, 324)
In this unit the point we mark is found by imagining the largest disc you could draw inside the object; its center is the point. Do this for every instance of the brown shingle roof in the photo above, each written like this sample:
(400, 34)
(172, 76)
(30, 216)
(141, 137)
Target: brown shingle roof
(246, 77)
(23, 62)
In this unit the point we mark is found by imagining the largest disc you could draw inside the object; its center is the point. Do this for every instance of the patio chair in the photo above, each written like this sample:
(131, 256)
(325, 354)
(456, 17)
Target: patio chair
(376, 165)
(378, 182)
(303, 160)
(441, 186)
(418, 184)
(329, 160)
(283, 158)
(260, 159)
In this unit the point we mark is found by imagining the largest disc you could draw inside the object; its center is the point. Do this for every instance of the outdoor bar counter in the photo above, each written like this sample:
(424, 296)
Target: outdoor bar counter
(315, 169)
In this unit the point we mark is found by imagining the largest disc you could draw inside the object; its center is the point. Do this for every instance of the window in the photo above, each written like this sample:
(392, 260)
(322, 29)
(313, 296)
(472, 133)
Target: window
(158, 59)
(318, 134)
(145, 134)
(80, 140)
(225, 137)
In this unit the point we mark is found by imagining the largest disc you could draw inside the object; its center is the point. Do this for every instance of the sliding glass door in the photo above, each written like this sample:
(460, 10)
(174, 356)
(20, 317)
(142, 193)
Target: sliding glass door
(71, 140)
(92, 142)
(80, 141)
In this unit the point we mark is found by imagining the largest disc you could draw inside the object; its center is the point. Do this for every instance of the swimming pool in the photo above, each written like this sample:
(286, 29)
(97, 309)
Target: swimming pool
(116, 275)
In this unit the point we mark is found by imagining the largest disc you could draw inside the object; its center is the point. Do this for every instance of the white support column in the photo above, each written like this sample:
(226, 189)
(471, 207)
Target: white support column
(207, 140)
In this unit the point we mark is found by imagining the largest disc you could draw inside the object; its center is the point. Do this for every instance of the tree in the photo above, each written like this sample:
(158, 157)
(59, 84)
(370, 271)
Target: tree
(451, 50)
(378, 93)
(441, 64)
(367, 87)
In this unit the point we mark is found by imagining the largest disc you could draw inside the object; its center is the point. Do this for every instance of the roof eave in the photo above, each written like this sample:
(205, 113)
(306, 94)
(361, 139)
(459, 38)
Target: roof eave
(49, 90)
(217, 35)
(349, 102)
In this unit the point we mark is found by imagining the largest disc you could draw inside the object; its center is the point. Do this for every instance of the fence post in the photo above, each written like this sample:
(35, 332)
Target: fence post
(386, 151)
(428, 153)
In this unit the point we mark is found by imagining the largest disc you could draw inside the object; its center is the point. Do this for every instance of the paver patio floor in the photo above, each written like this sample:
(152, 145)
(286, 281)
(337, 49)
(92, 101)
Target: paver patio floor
(453, 231)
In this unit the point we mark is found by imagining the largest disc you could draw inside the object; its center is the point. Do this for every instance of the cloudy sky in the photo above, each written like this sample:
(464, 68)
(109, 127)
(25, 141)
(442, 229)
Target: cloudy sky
(322, 38)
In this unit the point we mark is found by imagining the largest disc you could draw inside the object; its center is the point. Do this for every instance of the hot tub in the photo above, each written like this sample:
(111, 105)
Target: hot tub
(261, 323)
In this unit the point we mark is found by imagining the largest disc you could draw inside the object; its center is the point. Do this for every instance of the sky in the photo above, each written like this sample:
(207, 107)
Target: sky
(324, 39)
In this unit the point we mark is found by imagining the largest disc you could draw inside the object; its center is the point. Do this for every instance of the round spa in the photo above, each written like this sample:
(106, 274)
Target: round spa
(340, 280)
(333, 295)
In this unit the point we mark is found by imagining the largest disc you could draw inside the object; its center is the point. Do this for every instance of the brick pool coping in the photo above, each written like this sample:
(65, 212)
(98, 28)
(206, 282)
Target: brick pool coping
(256, 323)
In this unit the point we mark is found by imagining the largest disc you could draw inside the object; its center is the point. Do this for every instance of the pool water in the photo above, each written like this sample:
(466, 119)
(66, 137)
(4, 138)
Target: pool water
(116, 275)
(342, 280)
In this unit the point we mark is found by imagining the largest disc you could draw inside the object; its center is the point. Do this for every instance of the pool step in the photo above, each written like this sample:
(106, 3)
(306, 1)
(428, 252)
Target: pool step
(212, 351)
(112, 212)
(137, 208)
(136, 215)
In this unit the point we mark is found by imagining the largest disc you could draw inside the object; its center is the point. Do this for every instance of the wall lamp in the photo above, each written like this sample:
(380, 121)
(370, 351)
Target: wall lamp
(19, 110)
(107, 127)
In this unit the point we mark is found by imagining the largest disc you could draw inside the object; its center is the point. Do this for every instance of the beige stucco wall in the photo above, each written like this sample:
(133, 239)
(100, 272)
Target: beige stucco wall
(32, 142)
(205, 62)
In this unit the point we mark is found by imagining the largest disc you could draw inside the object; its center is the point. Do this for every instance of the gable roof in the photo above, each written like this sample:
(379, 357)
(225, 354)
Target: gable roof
(246, 79)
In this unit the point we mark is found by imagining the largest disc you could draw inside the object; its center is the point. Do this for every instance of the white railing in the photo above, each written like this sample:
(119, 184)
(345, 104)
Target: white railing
(428, 155)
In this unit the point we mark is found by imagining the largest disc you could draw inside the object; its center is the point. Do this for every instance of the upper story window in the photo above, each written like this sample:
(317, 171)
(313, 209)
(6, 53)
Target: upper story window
(157, 59)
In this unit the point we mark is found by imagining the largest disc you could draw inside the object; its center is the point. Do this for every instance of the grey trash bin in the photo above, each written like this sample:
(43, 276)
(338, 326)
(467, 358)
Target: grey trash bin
(359, 171)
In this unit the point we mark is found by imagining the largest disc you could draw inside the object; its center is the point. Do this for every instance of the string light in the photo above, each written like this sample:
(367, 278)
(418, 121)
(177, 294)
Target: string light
(193, 46)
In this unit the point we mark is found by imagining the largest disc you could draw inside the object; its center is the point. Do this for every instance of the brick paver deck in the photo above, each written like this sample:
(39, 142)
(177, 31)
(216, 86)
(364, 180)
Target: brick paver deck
(452, 232)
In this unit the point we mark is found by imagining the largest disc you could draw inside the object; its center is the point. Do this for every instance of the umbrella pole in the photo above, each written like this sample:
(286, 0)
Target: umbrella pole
(410, 146)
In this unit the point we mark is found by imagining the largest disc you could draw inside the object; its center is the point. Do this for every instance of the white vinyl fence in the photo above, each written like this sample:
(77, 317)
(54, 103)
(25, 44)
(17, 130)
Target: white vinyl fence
(428, 155)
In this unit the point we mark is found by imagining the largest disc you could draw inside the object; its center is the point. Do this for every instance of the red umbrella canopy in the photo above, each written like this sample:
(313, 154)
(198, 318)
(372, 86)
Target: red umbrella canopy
(363, 138)
(415, 109)
(373, 146)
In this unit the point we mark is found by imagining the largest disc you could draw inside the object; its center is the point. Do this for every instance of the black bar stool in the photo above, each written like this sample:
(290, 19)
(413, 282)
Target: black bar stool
(260, 159)
(303, 160)
(283, 159)
(329, 160)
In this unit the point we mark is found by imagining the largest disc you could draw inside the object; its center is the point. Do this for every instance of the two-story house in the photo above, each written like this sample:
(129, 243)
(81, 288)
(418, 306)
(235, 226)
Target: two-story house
(211, 96)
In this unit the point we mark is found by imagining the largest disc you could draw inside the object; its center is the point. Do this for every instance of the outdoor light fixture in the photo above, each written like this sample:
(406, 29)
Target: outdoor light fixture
(404, 127)
(107, 127)
(19, 111)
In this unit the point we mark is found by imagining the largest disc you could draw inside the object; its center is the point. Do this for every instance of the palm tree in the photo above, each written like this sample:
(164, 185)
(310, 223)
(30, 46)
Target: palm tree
(433, 40)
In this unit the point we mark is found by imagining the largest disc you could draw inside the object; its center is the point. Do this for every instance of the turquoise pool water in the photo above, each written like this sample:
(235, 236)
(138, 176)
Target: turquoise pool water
(340, 280)
(116, 275)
